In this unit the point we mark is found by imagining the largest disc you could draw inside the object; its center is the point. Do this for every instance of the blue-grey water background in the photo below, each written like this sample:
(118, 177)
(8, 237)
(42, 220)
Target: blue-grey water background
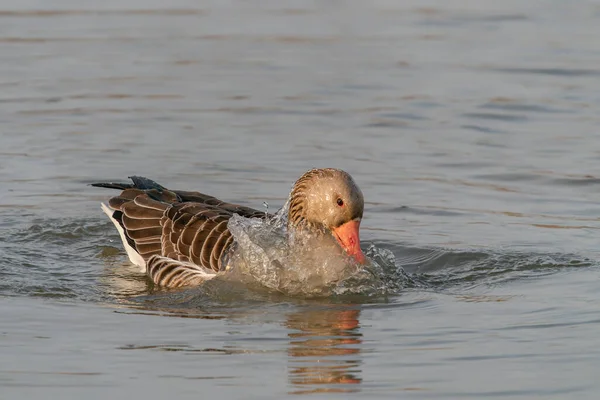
(471, 127)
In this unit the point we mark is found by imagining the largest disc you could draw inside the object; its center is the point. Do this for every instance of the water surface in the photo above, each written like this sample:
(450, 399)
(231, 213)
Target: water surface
(471, 128)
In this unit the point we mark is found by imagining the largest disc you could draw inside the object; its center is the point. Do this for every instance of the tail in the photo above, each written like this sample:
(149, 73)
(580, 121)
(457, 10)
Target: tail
(139, 182)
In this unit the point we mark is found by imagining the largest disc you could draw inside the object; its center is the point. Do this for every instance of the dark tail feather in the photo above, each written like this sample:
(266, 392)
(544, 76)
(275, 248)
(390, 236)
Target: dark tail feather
(139, 182)
(112, 185)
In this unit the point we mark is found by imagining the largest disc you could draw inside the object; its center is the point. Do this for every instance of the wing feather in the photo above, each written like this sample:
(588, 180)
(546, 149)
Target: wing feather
(182, 236)
(171, 273)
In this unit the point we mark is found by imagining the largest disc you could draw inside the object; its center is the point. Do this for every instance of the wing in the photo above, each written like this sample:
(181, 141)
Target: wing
(173, 274)
(197, 197)
(196, 233)
(163, 226)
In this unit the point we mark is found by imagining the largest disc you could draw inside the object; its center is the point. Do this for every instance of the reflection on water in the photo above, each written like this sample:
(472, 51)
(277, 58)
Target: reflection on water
(324, 350)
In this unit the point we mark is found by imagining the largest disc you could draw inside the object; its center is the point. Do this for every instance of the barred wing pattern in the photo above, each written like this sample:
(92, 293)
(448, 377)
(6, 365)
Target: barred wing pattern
(196, 233)
(181, 237)
(170, 273)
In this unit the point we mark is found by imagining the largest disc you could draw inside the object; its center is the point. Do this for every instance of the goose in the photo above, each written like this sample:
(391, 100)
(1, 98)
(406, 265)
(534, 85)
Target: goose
(181, 238)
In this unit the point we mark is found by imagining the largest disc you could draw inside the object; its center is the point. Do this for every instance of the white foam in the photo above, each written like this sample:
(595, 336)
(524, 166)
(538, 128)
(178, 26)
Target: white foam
(309, 265)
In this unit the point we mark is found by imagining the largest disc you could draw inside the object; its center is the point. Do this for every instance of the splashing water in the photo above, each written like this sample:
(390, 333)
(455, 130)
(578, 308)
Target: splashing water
(306, 264)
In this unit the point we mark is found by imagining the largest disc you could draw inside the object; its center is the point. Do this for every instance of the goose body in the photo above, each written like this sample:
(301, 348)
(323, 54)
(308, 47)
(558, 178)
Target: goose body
(181, 238)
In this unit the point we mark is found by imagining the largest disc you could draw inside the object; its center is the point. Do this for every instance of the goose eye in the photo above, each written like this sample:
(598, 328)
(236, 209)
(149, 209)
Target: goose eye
(340, 202)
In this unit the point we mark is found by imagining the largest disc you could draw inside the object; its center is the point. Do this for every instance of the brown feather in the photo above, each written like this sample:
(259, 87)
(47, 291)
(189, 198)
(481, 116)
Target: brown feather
(170, 273)
(133, 224)
(143, 235)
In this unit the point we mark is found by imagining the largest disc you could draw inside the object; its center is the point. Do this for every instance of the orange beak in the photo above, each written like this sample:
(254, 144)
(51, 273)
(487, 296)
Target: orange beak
(347, 237)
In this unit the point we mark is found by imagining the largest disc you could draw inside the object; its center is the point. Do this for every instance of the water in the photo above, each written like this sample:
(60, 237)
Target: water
(471, 128)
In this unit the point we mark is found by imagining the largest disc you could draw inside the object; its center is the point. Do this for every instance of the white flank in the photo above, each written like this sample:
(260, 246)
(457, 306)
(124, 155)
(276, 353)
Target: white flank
(134, 256)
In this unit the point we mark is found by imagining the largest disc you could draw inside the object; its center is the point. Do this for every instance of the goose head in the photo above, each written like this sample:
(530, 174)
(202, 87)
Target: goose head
(328, 200)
